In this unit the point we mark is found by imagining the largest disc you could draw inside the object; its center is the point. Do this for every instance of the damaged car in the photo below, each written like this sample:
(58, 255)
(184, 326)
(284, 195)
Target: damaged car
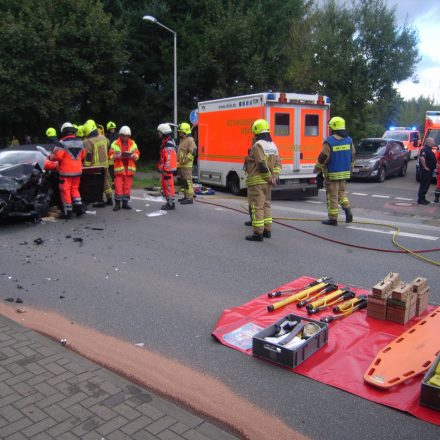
(28, 187)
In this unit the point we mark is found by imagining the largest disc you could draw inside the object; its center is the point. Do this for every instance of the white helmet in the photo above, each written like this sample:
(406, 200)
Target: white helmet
(125, 130)
(67, 126)
(164, 129)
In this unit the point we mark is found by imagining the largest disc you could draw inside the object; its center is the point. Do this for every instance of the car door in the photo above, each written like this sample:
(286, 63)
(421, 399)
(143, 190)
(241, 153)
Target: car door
(394, 157)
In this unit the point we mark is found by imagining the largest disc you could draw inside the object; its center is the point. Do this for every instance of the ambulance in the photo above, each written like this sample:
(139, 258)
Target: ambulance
(432, 126)
(409, 136)
(298, 125)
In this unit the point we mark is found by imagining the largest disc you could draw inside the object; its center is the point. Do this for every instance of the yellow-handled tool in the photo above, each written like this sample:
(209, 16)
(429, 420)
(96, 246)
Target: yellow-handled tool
(297, 296)
(328, 300)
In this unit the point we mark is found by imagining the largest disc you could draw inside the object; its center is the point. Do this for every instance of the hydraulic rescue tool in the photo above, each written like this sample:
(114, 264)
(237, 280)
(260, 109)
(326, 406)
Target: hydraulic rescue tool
(297, 296)
(329, 300)
(309, 299)
(346, 308)
(278, 293)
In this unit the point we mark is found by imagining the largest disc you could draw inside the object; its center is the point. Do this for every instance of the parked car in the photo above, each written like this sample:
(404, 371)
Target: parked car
(377, 158)
(27, 190)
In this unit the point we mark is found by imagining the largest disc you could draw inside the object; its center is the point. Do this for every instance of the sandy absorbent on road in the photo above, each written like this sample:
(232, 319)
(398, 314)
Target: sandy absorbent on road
(203, 394)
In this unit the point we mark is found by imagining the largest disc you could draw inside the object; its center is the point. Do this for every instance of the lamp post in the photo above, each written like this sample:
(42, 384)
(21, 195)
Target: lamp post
(154, 20)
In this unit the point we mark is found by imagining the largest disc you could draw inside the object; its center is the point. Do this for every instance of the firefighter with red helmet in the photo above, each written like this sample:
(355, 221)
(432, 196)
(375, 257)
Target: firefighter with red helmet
(69, 152)
(167, 165)
(125, 154)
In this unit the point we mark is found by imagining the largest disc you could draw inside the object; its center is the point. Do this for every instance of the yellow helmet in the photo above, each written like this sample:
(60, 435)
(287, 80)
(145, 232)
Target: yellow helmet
(80, 131)
(184, 127)
(260, 126)
(110, 125)
(51, 132)
(89, 126)
(337, 123)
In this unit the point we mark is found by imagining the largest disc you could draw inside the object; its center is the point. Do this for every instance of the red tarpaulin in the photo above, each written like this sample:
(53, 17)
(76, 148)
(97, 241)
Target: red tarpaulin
(352, 345)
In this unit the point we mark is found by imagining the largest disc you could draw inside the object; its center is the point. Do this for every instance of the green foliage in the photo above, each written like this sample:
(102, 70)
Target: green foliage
(413, 112)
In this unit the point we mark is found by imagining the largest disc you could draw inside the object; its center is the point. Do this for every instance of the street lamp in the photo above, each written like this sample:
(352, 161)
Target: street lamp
(154, 20)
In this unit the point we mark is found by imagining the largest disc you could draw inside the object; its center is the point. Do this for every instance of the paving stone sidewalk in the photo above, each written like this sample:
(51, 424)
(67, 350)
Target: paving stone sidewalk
(48, 392)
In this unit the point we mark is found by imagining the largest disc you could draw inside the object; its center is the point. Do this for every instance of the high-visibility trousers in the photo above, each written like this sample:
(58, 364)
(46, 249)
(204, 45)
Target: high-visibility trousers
(123, 184)
(185, 175)
(336, 196)
(69, 192)
(259, 197)
(168, 187)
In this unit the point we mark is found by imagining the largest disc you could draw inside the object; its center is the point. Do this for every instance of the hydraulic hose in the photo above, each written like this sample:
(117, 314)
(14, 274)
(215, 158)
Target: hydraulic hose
(401, 249)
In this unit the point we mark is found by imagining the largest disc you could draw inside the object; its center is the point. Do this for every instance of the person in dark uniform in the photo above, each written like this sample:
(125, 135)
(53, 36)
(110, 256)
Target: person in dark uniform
(427, 164)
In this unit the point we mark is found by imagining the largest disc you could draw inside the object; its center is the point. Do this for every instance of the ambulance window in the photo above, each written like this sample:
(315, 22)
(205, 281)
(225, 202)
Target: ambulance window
(282, 124)
(312, 125)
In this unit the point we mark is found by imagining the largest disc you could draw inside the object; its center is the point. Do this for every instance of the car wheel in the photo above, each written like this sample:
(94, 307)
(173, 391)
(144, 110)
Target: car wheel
(402, 172)
(381, 175)
(234, 184)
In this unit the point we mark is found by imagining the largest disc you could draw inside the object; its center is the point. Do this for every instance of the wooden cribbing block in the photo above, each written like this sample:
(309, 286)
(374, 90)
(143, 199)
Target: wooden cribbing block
(382, 289)
(377, 311)
(422, 301)
(393, 278)
(402, 291)
(419, 284)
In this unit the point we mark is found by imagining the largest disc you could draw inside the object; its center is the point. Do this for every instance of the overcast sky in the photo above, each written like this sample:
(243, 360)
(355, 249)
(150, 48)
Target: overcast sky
(425, 16)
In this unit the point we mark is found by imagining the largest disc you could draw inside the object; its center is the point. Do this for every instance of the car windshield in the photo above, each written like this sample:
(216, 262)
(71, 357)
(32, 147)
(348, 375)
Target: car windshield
(21, 157)
(367, 148)
(396, 135)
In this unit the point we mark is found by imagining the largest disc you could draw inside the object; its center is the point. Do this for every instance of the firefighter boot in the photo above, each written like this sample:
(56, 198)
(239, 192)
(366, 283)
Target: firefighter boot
(267, 234)
(168, 206)
(79, 210)
(348, 215)
(254, 237)
(186, 201)
(125, 205)
(117, 206)
(67, 215)
(330, 221)
(248, 223)
(109, 202)
(436, 197)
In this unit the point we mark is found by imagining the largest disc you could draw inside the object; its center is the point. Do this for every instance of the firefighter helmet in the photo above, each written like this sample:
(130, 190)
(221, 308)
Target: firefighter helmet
(125, 130)
(89, 126)
(51, 132)
(184, 127)
(337, 123)
(67, 127)
(164, 129)
(80, 131)
(260, 126)
(110, 125)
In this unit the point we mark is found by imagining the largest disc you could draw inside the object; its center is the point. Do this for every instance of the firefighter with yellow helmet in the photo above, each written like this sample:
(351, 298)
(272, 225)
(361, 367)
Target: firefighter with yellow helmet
(263, 167)
(185, 158)
(335, 162)
(97, 146)
(51, 135)
(111, 135)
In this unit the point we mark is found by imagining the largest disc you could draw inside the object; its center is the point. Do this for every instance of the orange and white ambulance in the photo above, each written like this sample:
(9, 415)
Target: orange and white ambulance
(409, 136)
(298, 125)
(432, 126)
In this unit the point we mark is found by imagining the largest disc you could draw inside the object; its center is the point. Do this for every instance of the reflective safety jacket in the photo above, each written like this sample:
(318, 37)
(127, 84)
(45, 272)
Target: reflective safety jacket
(96, 151)
(185, 153)
(111, 138)
(336, 158)
(168, 158)
(124, 165)
(69, 152)
(262, 164)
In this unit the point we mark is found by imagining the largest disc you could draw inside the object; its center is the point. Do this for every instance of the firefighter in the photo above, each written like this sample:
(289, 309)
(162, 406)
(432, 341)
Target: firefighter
(96, 146)
(111, 136)
(69, 152)
(335, 162)
(167, 164)
(125, 154)
(185, 158)
(263, 167)
(51, 134)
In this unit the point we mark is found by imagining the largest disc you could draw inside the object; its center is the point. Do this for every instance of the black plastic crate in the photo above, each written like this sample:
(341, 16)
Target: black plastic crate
(285, 356)
(430, 394)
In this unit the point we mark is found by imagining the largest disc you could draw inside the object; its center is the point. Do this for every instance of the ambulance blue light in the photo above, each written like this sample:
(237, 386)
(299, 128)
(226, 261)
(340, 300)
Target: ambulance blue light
(392, 128)
(270, 96)
(327, 100)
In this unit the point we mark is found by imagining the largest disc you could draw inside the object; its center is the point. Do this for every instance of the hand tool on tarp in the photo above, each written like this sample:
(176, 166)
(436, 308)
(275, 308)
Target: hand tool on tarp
(329, 300)
(311, 298)
(279, 293)
(297, 296)
(346, 308)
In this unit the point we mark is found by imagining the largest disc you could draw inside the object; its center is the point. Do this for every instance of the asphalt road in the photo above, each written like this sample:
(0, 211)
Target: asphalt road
(165, 280)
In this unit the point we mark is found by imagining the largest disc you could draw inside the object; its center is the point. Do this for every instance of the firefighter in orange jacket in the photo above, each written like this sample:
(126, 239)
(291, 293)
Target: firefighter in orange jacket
(167, 165)
(69, 153)
(125, 154)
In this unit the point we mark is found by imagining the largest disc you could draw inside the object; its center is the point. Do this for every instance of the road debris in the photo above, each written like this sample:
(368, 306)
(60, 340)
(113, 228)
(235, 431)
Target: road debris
(11, 300)
(91, 212)
(19, 301)
(19, 310)
(63, 342)
(38, 241)
(156, 213)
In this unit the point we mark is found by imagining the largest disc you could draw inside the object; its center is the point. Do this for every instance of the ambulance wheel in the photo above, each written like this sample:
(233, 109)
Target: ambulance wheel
(233, 183)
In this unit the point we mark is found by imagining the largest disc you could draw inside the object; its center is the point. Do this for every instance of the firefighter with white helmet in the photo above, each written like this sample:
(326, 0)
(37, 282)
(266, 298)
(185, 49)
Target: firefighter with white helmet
(167, 164)
(185, 158)
(263, 167)
(125, 153)
(335, 162)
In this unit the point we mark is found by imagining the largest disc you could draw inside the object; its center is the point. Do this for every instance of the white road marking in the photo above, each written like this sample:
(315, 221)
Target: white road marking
(380, 197)
(316, 202)
(403, 198)
(401, 234)
(359, 194)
